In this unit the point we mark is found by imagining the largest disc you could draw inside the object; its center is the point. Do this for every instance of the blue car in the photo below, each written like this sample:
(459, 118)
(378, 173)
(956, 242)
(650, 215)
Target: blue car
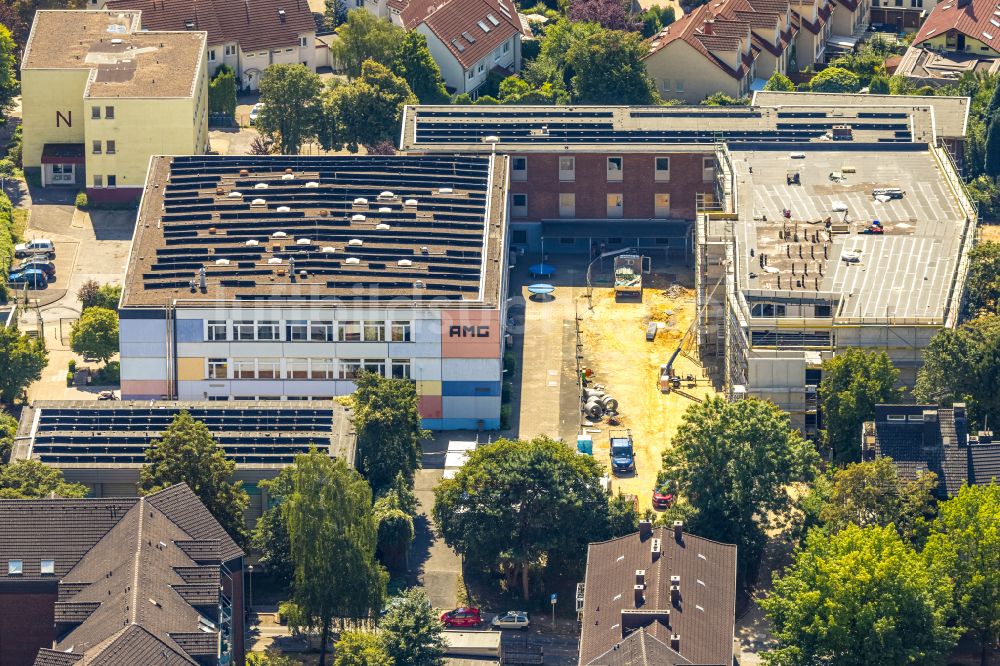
(32, 277)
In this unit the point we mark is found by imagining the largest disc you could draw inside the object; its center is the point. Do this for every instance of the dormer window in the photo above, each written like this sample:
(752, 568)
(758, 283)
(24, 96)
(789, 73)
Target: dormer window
(15, 567)
(47, 567)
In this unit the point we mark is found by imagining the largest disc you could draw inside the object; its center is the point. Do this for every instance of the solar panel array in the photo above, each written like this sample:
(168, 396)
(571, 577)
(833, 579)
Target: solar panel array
(315, 227)
(121, 435)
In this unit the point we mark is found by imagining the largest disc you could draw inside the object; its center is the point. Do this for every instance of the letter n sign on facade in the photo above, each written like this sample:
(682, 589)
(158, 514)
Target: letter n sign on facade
(61, 118)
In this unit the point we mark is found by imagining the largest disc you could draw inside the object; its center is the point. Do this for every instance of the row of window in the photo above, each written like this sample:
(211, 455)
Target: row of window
(109, 113)
(300, 330)
(498, 53)
(16, 567)
(306, 368)
(615, 205)
(303, 42)
(110, 147)
(98, 180)
(615, 168)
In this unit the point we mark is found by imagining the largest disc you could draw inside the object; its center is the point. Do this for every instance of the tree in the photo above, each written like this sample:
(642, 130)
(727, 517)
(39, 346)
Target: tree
(871, 493)
(362, 37)
(982, 285)
(879, 85)
(411, 632)
(334, 13)
(991, 165)
(610, 14)
(854, 381)
(732, 461)
(8, 70)
(8, 430)
(31, 479)
(394, 512)
(187, 453)
(656, 18)
(622, 516)
(835, 79)
(222, 92)
(360, 648)
(985, 192)
(333, 540)
(95, 335)
(91, 294)
(515, 90)
(779, 81)
(965, 546)
(608, 69)
(270, 535)
(270, 658)
(22, 358)
(388, 425)
(722, 99)
(415, 64)
(516, 503)
(291, 112)
(367, 110)
(864, 63)
(860, 597)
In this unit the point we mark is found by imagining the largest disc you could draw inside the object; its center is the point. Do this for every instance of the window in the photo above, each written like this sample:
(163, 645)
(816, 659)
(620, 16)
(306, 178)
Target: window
(567, 168)
(349, 368)
(288, 50)
(97, 147)
(400, 331)
(614, 168)
(472, 74)
(374, 331)
(231, 50)
(268, 330)
(269, 368)
(297, 330)
(112, 180)
(662, 168)
(679, 85)
(211, 55)
(349, 331)
(218, 398)
(519, 202)
(243, 330)
(109, 112)
(480, 68)
(661, 205)
(244, 368)
(519, 168)
(376, 366)
(303, 42)
(567, 204)
(707, 168)
(506, 47)
(15, 567)
(767, 310)
(110, 148)
(400, 368)
(518, 236)
(665, 85)
(321, 331)
(821, 311)
(95, 113)
(98, 180)
(322, 368)
(218, 368)
(297, 368)
(217, 330)
(615, 205)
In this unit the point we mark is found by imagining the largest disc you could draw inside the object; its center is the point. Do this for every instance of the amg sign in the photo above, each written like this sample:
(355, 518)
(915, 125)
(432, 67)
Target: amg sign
(468, 331)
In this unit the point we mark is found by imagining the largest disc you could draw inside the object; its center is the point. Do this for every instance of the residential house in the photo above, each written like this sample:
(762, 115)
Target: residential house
(124, 580)
(246, 35)
(659, 597)
(812, 21)
(100, 95)
(957, 37)
(928, 438)
(904, 15)
(467, 38)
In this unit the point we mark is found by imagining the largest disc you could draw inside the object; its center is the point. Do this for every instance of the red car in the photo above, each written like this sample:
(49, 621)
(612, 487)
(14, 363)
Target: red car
(662, 499)
(462, 617)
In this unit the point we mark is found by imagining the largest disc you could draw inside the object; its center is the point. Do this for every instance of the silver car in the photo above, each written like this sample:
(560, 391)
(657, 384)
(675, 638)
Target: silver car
(512, 620)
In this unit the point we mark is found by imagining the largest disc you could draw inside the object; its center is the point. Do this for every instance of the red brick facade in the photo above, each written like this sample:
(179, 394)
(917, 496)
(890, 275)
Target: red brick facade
(591, 186)
(27, 620)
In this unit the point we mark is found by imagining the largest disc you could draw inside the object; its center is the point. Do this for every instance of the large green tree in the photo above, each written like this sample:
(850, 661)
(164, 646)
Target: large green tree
(965, 546)
(415, 64)
(366, 111)
(187, 453)
(95, 335)
(991, 164)
(22, 359)
(332, 533)
(835, 80)
(363, 37)
(515, 504)
(8, 70)
(394, 512)
(854, 381)
(222, 92)
(387, 420)
(982, 285)
(411, 631)
(608, 69)
(31, 479)
(8, 430)
(292, 106)
(860, 597)
(360, 648)
(270, 535)
(733, 462)
(779, 82)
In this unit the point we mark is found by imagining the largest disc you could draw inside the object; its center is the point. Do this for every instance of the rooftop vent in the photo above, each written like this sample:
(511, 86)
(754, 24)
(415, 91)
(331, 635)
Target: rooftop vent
(419, 284)
(260, 186)
(116, 40)
(385, 209)
(189, 24)
(404, 262)
(410, 203)
(352, 260)
(288, 176)
(274, 260)
(312, 183)
(222, 262)
(252, 243)
(355, 242)
(279, 234)
(281, 15)
(328, 249)
(284, 209)
(445, 190)
(258, 203)
(244, 172)
(386, 196)
(303, 241)
(361, 201)
(382, 227)
(357, 217)
(235, 195)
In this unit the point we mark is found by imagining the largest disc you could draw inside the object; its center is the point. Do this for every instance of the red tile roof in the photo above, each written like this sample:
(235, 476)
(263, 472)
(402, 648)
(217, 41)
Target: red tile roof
(454, 22)
(979, 19)
(254, 24)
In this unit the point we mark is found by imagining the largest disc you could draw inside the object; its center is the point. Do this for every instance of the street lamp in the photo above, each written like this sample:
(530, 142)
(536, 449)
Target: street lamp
(603, 255)
(250, 595)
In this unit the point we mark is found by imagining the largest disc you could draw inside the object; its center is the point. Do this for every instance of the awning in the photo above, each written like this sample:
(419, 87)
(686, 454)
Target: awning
(615, 228)
(63, 153)
(840, 41)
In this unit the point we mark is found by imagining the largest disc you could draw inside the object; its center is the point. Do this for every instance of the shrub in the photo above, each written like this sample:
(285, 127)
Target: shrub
(7, 241)
(72, 365)
(81, 200)
(110, 374)
(69, 379)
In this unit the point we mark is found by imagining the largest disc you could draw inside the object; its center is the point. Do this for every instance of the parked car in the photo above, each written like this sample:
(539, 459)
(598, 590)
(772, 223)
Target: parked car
(462, 617)
(36, 246)
(41, 263)
(32, 277)
(662, 499)
(512, 620)
(107, 395)
(255, 111)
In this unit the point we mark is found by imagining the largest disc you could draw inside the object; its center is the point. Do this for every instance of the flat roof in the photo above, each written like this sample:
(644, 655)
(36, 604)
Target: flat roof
(376, 229)
(124, 61)
(951, 113)
(265, 435)
(648, 129)
(907, 273)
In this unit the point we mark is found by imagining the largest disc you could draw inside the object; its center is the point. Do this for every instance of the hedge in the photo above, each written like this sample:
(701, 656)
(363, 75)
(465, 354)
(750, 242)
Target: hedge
(7, 241)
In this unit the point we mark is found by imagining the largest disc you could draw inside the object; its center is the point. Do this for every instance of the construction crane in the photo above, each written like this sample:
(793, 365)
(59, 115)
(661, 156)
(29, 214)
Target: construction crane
(669, 380)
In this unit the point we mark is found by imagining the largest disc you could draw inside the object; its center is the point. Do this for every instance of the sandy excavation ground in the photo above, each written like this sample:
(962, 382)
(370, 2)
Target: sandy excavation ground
(615, 348)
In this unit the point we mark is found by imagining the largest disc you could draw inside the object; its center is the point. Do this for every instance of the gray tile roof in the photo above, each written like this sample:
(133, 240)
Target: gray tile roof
(640, 648)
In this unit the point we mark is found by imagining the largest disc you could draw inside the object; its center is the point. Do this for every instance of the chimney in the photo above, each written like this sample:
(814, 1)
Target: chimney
(645, 529)
(985, 436)
(640, 597)
(931, 429)
(640, 576)
(678, 530)
(675, 590)
(675, 643)
(655, 549)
